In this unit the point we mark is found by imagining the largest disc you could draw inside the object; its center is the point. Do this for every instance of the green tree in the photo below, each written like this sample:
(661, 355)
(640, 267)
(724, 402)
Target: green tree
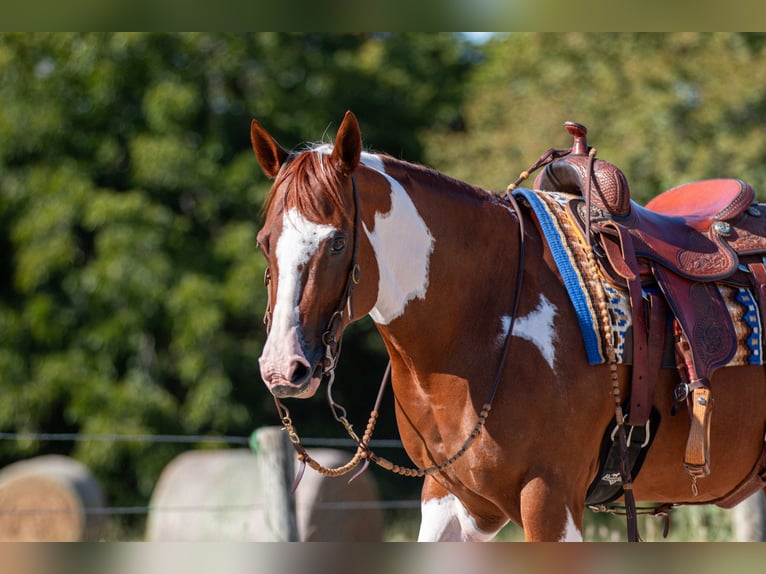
(131, 293)
(666, 108)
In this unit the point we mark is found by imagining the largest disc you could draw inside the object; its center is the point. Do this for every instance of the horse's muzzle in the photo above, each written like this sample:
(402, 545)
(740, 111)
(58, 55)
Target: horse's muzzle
(295, 379)
(302, 391)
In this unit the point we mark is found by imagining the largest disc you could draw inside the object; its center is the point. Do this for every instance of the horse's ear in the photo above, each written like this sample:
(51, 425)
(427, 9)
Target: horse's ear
(348, 144)
(270, 154)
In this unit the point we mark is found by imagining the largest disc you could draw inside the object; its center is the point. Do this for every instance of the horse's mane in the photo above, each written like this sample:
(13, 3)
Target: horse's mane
(312, 166)
(303, 171)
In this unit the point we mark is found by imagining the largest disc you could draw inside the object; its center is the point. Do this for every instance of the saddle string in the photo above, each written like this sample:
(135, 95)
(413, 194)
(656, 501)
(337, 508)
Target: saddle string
(606, 327)
(549, 156)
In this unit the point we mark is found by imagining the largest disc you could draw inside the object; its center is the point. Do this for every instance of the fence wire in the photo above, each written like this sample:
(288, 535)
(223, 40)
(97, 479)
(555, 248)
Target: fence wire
(199, 439)
(187, 439)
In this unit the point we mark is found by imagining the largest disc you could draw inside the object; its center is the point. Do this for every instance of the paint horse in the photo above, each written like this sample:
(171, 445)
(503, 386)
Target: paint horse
(434, 261)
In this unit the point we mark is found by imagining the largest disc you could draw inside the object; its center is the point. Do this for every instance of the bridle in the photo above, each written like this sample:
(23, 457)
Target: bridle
(332, 338)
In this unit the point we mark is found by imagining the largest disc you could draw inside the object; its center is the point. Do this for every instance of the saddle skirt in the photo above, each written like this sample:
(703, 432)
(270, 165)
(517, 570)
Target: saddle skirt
(559, 217)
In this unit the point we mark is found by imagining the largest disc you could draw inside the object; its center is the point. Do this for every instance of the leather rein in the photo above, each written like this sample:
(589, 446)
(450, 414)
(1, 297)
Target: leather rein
(331, 339)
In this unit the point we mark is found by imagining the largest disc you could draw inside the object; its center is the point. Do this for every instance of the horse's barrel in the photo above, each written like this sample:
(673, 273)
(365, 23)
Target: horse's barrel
(50, 498)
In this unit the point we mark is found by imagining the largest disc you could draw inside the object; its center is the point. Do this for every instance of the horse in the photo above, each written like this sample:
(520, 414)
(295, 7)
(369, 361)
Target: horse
(434, 261)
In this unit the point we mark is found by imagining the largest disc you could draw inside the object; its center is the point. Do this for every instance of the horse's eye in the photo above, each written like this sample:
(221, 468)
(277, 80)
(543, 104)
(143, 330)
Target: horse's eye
(338, 244)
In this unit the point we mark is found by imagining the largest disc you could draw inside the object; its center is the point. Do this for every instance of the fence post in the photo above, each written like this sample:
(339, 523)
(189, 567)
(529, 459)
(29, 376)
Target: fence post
(277, 468)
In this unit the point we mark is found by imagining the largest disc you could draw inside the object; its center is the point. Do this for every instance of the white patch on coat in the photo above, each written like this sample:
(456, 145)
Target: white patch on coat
(299, 240)
(446, 520)
(403, 245)
(536, 327)
(571, 533)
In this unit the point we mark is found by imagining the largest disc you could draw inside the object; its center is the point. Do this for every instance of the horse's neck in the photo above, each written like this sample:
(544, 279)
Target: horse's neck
(445, 264)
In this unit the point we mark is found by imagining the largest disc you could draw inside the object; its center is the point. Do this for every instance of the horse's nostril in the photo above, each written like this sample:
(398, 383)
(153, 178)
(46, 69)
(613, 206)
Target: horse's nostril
(300, 372)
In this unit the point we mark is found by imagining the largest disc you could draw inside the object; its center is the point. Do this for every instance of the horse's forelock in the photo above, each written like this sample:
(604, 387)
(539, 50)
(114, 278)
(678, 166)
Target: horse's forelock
(309, 183)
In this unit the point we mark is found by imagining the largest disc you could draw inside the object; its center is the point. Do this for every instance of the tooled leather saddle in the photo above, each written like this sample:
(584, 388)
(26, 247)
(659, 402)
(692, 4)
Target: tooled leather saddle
(669, 254)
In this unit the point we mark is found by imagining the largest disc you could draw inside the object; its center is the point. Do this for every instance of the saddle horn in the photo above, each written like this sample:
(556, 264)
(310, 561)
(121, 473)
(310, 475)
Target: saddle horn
(579, 133)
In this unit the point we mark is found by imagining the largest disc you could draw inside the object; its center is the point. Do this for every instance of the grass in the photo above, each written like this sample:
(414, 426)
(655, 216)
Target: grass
(688, 524)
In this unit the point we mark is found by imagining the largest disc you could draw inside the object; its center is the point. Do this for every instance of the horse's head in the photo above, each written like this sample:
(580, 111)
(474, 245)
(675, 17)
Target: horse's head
(310, 239)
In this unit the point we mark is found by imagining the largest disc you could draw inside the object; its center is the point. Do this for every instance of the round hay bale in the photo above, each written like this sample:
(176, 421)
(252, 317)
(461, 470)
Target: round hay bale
(46, 498)
(206, 495)
(215, 495)
(332, 509)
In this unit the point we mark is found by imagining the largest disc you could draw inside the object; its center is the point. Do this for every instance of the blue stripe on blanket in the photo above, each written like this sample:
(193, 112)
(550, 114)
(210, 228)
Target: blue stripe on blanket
(569, 273)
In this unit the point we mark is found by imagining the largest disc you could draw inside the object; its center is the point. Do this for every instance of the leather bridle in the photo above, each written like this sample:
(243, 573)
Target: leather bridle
(332, 337)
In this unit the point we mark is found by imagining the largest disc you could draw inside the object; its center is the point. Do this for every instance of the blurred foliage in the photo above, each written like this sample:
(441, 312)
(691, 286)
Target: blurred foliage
(131, 294)
(666, 108)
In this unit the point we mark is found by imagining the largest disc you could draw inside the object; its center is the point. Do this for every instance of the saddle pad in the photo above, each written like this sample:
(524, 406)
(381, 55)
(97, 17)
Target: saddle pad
(568, 250)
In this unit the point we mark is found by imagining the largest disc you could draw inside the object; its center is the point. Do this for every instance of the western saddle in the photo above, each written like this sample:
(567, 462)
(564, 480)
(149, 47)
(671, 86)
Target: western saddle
(668, 254)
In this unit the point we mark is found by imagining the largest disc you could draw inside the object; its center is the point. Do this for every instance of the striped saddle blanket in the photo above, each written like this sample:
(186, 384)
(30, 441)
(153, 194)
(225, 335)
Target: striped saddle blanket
(579, 277)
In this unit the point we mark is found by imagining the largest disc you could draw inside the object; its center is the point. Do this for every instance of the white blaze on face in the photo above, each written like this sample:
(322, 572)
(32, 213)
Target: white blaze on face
(403, 245)
(538, 328)
(299, 240)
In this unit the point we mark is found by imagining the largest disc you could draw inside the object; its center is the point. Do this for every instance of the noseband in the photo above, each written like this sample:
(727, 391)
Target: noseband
(331, 339)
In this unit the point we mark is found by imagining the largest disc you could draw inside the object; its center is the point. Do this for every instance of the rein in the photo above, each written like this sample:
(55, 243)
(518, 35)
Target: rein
(332, 342)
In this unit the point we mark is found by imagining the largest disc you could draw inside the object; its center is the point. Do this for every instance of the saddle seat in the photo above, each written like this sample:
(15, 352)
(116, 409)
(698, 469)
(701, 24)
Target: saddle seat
(686, 229)
(701, 203)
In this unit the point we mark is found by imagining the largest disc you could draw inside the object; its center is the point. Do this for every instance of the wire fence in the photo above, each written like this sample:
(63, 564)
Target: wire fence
(234, 511)
(132, 510)
(188, 439)
(317, 442)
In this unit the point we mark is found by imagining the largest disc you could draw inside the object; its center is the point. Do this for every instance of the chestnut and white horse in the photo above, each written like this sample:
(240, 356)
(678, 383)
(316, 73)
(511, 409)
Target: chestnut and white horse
(433, 261)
